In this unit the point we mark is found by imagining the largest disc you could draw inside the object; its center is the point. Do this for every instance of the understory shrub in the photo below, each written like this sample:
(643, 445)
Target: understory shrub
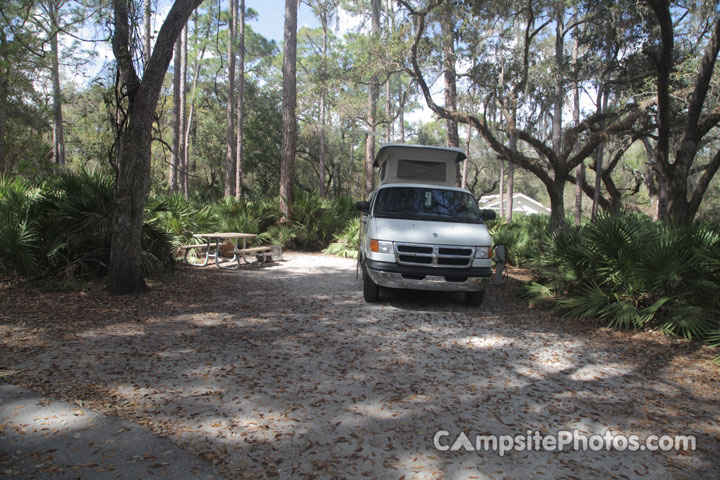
(180, 217)
(63, 227)
(522, 238)
(314, 221)
(633, 272)
(345, 243)
(20, 245)
(247, 215)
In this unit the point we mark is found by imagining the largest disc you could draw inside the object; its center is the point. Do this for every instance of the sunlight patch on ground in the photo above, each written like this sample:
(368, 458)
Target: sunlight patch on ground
(379, 410)
(28, 418)
(554, 359)
(588, 373)
(484, 342)
(119, 330)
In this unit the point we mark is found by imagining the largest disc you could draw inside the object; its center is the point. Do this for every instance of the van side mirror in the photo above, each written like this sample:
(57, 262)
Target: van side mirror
(487, 214)
(363, 206)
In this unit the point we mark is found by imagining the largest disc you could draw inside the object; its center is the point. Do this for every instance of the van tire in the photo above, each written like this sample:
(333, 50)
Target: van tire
(371, 291)
(475, 299)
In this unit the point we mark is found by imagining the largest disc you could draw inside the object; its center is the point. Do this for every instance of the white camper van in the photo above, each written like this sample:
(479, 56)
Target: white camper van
(419, 231)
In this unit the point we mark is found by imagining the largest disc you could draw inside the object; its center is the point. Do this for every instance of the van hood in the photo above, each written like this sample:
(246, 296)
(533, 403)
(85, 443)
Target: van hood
(438, 233)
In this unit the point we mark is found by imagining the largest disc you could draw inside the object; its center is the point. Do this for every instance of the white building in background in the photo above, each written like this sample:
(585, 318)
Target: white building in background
(522, 204)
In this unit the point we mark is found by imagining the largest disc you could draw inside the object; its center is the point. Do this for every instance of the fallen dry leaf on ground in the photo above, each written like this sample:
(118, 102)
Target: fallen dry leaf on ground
(282, 371)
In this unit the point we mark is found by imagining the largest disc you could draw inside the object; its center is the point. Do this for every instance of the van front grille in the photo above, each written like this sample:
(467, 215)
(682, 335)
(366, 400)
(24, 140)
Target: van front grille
(434, 255)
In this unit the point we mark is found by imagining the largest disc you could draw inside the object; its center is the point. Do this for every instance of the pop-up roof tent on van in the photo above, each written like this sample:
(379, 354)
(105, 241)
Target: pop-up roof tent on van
(402, 163)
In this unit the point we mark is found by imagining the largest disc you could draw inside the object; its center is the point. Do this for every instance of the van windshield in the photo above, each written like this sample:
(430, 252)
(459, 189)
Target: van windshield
(426, 203)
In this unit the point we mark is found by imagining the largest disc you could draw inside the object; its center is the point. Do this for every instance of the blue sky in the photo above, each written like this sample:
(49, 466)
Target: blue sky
(271, 17)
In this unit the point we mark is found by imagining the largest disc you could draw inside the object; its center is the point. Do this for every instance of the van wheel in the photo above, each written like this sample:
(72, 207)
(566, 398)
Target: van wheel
(371, 291)
(475, 299)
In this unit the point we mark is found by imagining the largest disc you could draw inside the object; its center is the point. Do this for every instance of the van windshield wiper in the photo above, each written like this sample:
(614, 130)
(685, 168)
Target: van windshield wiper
(404, 216)
(449, 218)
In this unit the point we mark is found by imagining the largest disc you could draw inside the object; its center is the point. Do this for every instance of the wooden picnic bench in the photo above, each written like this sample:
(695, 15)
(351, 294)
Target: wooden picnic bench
(257, 251)
(213, 249)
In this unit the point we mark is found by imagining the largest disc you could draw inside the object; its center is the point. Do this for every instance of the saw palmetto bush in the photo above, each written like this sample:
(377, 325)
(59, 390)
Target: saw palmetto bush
(247, 215)
(20, 242)
(314, 220)
(345, 243)
(76, 222)
(633, 272)
(63, 227)
(522, 238)
(180, 217)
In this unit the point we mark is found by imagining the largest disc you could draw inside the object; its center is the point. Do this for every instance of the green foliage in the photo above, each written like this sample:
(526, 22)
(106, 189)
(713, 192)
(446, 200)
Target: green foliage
(633, 273)
(19, 245)
(282, 234)
(345, 244)
(63, 227)
(245, 215)
(180, 217)
(523, 237)
(713, 339)
(313, 221)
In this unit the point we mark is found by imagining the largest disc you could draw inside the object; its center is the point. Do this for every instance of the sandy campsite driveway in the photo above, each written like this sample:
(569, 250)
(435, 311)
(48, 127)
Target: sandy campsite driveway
(282, 371)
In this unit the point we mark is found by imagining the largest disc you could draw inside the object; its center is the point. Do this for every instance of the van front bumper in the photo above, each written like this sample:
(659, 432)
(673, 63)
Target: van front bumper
(392, 275)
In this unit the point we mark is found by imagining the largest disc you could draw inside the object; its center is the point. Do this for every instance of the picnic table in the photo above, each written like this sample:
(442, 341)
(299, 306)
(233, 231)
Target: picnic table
(218, 239)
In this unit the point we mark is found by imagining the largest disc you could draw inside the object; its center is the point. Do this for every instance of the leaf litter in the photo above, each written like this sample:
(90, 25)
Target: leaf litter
(282, 371)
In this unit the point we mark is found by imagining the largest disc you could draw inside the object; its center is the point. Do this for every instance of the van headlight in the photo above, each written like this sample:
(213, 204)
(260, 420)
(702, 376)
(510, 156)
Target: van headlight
(483, 252)
(381, 246)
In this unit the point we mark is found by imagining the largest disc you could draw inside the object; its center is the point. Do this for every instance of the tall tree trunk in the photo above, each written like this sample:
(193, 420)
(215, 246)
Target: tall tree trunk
(674, 190)
(558, 217)
(448, 38)
(4, 90)
(3, 107)
(372, 109)
(240, 101)
(389, 27)
(494, 113)
(323, 147)
(388, 111)
(501, 188)
(559, 91)
(452, 137)
(512, 144)
(134, 137)
(175, 159)
(355, 186)
(580, 169)
(323, 99)
(580, 176)
(183, 155)
(189, 124)
(556, 191)
(147, 23)
(652, 180)
(692, 135)
(463, 181)
(230, 108)
(664, 64)
(289, 121)
(58, 150)
(513, 137)
(599, 155)
(401, 115)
